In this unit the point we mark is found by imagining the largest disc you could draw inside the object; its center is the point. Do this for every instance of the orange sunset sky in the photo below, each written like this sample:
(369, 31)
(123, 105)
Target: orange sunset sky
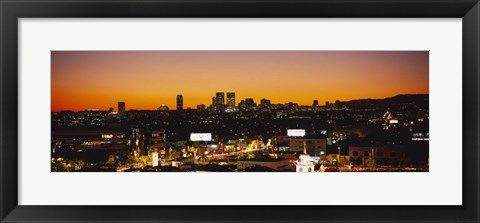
(146, 79)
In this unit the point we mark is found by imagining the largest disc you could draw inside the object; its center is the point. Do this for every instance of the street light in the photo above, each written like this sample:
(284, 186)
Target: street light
(338, 161)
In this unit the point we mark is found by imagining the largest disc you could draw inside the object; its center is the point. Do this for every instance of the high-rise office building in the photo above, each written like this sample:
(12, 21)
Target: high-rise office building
(220, 98)
(121, 107)
(337, 104)
(179, 102)
(231, 99)
(265, 103)
(247, 104)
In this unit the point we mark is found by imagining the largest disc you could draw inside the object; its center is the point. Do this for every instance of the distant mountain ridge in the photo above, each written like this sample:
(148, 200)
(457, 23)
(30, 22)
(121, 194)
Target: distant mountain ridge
(419, 99)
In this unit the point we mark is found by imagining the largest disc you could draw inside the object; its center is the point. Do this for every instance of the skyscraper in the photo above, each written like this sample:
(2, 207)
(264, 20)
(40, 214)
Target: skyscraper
(220, 98)
(265, 102)
(179, 102)
(231, 99)
(315, 103)
(121, 107)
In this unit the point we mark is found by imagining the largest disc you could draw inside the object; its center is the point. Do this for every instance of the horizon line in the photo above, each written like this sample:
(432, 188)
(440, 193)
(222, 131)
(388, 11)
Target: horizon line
(206, 105)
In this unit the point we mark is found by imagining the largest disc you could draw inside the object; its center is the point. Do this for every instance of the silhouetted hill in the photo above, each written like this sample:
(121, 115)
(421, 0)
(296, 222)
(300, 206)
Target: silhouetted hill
(421, 100)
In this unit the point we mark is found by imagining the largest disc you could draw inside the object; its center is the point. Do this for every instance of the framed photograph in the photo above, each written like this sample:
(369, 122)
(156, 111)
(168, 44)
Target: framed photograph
(239, 111)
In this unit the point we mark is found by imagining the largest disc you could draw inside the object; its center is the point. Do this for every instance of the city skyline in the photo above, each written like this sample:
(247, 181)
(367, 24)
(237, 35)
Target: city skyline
(115, 105)
(147, 79)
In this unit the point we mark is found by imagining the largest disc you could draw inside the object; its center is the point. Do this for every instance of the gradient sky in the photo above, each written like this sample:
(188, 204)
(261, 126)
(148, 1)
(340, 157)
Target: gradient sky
(147, 79)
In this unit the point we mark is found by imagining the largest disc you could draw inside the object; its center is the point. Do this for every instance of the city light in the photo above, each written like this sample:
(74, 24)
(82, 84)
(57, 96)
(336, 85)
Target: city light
(240, 111)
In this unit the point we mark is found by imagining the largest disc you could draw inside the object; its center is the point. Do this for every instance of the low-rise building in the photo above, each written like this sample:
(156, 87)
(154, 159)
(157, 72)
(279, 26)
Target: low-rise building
(315, 145)
(382, 154)
(89, 139)
(275, 164)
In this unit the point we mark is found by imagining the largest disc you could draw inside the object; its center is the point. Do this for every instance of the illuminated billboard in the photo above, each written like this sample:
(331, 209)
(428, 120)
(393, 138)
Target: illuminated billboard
(296, 132)
(201, 136)
(154, 159)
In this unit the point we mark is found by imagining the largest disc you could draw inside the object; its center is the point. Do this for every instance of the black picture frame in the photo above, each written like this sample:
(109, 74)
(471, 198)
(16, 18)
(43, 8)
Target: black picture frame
(11, 11)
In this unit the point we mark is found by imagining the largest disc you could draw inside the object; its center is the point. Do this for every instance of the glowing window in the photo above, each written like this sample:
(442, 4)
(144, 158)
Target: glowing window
(107, 136)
